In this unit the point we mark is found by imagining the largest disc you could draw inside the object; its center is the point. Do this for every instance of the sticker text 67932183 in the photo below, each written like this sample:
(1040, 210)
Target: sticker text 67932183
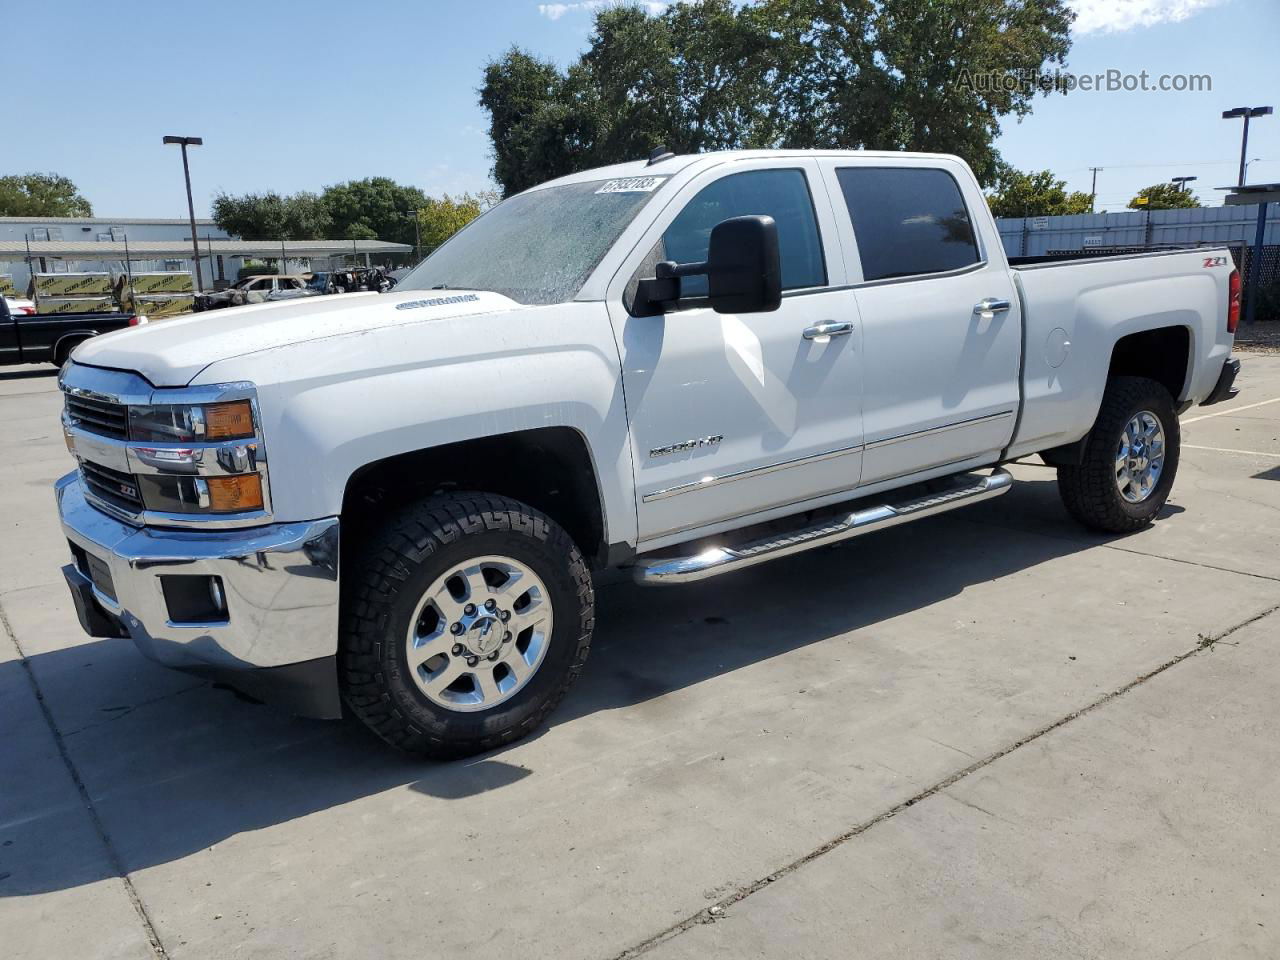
(632, 185)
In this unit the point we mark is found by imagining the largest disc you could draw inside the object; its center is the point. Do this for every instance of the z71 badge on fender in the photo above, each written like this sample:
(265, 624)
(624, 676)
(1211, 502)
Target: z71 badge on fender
(1215, 261)
(686, 445)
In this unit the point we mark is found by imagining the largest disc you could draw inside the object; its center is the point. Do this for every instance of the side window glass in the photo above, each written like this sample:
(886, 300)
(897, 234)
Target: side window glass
(908, 221)
(781, 194)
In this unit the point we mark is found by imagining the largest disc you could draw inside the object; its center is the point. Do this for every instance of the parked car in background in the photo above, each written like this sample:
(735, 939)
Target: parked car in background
(681, 368)
(259, 289)
(30, 337)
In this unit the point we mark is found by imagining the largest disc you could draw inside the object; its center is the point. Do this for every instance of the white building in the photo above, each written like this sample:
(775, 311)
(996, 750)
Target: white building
(73, 244)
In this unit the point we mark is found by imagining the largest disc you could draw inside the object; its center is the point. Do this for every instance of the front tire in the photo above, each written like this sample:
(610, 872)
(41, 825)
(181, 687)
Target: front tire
(1130, 459)
(467, 618)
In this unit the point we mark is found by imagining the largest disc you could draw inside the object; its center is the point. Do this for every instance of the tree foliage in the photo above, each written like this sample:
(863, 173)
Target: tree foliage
(439, 219)
(269, 216)
(715, 74)
(41, 195)
(1040, 194)
(376, 207)
(1164, 196)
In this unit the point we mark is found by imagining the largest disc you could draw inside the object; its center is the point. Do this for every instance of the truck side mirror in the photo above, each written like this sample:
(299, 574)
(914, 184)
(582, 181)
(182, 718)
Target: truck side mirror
(743, 271)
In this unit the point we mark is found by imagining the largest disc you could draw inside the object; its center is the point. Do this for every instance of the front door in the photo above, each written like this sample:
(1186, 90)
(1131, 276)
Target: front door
(735, 415)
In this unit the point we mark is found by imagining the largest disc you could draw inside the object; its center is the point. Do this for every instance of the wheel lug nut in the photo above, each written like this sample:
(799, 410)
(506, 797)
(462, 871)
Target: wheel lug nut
(506, 637)
(456, 629)
(457, 649)
(494, 655)
(490, 604)
(472, 661)
(469, 609)
(504, 615)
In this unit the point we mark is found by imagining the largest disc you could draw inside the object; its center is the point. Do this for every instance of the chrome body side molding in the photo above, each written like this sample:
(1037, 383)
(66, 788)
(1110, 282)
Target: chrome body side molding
(713, 481)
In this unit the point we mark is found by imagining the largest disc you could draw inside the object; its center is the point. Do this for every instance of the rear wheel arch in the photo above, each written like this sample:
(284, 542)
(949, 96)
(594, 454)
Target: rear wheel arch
(1162, 354)
(67, 342)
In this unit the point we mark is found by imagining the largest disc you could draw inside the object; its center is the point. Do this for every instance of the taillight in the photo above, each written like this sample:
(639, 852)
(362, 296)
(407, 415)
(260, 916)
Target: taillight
(1233, 301)
(136, 321)
(27, 311)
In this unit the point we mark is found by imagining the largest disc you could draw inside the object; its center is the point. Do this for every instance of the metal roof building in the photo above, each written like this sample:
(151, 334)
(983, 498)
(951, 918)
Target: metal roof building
(53, 244)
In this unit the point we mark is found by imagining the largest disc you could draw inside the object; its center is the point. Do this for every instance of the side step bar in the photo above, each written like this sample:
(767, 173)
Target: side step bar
(712, 562)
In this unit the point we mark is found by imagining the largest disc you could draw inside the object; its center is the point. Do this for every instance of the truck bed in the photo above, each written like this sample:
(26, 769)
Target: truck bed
(1075, 309)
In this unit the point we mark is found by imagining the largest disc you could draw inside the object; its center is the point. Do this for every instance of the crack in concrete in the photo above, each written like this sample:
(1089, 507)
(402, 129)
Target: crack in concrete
(113, 857)
(716, 911)
(119, 713)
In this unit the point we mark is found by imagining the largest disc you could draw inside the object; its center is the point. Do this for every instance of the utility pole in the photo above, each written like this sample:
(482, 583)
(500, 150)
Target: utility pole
(1246, 113)
(185, 142)
(1093, 188)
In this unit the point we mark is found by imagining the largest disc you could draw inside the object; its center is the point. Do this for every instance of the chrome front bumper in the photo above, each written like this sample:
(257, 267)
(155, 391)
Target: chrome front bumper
(279, 637)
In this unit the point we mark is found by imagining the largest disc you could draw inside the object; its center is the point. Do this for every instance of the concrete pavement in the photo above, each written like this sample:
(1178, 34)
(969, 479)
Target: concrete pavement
(985, 734)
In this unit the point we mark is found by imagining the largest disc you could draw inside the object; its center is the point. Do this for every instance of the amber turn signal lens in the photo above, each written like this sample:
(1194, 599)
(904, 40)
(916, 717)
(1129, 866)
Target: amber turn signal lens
(228, 421)
(233, 494)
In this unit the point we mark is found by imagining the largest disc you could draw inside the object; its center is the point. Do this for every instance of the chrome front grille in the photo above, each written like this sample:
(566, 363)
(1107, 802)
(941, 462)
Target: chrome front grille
(116, 488)
(99, 416)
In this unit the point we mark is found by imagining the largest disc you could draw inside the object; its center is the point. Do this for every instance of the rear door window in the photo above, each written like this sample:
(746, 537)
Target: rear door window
(908, 221)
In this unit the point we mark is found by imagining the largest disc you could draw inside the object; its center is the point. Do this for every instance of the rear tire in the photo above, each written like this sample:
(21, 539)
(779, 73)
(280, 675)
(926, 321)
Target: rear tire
(1117, 487)
(441, 653)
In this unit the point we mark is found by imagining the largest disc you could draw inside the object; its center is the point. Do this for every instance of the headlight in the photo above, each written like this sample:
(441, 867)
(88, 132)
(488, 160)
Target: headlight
(191, 423)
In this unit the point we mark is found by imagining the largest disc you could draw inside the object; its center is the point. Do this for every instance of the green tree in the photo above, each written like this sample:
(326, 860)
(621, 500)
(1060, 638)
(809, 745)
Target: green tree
(269, 216)
(376, 207)
(1164, 196)
(438, 220)
(934, 75)
(1039, 194)
(41, 195)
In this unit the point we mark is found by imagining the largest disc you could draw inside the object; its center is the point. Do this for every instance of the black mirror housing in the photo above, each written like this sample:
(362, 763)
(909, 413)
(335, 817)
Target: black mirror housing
(744, 270)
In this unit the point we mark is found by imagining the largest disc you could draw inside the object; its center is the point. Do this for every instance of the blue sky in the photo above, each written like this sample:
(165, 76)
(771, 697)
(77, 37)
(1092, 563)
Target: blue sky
(295, 96)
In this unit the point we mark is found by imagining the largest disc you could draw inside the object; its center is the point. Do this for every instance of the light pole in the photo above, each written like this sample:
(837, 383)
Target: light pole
(1093, 187)
(185, 142)
(1247, 113)
(1182, 183)
(1246, 165)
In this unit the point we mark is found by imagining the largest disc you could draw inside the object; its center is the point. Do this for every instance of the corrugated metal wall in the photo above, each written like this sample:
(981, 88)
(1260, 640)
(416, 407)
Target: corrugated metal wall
(1200, 226)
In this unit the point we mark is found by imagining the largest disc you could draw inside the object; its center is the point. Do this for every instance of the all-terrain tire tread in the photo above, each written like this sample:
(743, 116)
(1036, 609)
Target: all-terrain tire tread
(1089, 490)
(407, 539)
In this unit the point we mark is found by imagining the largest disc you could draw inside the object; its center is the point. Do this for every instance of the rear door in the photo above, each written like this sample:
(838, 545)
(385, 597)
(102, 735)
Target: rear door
(940, 316)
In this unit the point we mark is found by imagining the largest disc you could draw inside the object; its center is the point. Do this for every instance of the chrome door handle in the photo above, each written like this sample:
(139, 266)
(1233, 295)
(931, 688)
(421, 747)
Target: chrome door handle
(991, 305)
(827, 329)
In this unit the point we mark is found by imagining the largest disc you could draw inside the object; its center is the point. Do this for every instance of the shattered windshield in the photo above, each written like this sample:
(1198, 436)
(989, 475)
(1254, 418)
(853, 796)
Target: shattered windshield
(539, 247)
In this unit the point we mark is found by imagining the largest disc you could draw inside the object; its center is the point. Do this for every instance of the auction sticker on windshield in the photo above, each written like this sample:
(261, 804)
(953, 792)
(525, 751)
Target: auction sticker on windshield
(632, 185)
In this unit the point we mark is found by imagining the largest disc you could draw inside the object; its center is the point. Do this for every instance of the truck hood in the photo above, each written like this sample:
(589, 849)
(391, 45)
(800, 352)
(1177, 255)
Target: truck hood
(169, 353)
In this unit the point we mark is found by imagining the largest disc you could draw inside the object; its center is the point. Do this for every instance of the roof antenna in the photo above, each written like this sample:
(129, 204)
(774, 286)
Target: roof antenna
(658, 154)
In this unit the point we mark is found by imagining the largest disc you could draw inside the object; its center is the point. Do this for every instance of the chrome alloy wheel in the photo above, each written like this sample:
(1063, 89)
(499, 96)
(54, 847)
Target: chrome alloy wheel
(1140, 457)
(479, 633)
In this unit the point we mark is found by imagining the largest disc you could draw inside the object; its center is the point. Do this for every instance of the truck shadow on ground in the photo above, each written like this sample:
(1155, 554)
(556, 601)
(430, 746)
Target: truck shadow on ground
(174, 767)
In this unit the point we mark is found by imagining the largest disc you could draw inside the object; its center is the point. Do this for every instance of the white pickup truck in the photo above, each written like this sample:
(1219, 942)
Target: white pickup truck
(398, 501)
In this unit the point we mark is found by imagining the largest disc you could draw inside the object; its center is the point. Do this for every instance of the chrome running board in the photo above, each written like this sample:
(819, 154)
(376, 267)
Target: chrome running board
(969, 488)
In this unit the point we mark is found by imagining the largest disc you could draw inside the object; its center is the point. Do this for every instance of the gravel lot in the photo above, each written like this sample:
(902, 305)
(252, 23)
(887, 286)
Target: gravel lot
(988, 734)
